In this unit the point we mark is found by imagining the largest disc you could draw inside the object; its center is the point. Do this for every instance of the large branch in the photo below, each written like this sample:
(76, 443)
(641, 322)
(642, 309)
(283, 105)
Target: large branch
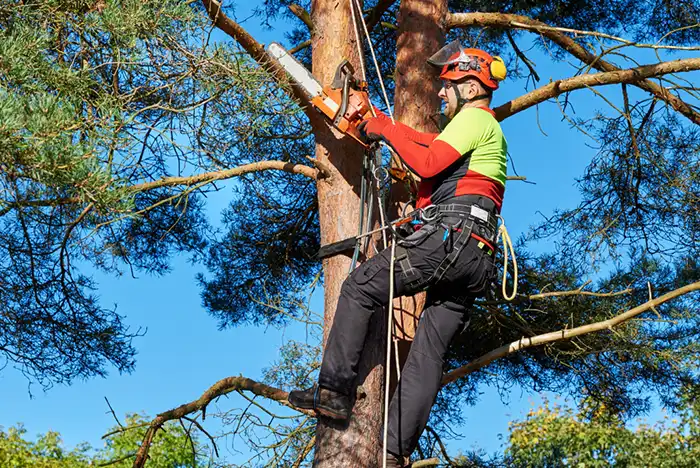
(508, 21)
(529, 342)
(292, 168)
(632, 75)
(376, 13)
(256, 51)
(321, 171)
(220, 388)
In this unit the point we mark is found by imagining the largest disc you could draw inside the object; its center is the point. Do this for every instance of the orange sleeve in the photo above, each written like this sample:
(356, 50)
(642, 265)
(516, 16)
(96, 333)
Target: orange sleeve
(426, 160)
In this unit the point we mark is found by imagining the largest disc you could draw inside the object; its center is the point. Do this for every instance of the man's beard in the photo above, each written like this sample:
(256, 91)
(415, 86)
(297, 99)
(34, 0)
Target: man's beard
(442, 117)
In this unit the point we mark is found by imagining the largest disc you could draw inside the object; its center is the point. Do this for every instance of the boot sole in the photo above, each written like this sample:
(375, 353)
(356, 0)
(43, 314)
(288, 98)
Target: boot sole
(331, 414)
(320, 410)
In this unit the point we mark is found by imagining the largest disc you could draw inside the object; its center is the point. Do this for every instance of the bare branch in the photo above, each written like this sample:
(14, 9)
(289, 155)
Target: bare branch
(117, 460)
(124, 429)
(321, 171)
(441, 444)
(111, 410)
(508, 21)
(625, 42)
(577, 292)
(529, 342)
(303, 15)
(227, 174)
(199, 426)
(307, 449)
(376, 13)
(528, 63)
(426, 463)
(256, 51)
(300, 46)
(633, 75)
(220, 388)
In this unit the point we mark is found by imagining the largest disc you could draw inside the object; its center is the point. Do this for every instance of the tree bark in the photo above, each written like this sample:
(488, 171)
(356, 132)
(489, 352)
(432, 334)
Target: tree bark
(359, 443)
(415, 100)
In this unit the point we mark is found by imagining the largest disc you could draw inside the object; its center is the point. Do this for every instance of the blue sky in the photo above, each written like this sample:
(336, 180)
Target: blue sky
(183, 352)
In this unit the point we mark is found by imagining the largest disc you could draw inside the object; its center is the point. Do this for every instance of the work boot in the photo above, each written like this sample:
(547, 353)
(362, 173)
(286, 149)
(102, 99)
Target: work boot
(325, 402)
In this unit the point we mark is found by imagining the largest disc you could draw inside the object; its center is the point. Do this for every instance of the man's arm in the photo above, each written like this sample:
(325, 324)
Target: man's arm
(422, 138)
(440, 152)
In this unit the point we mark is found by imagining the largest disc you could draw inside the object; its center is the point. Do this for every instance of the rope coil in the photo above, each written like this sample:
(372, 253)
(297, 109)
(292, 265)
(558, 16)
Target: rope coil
(507, 247)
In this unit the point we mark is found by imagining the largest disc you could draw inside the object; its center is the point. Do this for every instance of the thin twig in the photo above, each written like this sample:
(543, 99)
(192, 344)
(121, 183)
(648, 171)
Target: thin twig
(528, 63)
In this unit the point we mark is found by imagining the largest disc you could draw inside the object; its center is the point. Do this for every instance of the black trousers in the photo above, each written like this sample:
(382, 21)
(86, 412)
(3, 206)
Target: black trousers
(367, 290)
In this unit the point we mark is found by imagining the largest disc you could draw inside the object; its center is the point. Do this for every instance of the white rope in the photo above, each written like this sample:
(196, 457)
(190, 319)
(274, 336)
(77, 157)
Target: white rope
(357, 40)
(390, 313)
(374, 58)
(396, 354)
(507, 246)
(356, 7)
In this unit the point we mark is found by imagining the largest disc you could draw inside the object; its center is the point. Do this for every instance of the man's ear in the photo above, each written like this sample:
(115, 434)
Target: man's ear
(474, 89)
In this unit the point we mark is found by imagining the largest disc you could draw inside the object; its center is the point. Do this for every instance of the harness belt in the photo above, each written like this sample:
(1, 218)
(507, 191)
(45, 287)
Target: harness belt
(471, 212)
(434, 216)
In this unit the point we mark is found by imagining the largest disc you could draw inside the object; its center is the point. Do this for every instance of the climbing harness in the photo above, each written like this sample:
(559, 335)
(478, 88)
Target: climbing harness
(469, 217)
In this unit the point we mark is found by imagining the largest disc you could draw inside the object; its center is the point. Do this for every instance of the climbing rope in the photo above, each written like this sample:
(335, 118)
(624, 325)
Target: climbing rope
(356, 8)
(507, 246)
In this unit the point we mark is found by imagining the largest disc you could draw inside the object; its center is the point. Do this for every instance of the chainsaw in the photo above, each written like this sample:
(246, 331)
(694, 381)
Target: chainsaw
(345, 102)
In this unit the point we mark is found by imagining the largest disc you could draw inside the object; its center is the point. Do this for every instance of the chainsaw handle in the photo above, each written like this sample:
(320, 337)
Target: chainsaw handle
(345, 96)
(343, 71)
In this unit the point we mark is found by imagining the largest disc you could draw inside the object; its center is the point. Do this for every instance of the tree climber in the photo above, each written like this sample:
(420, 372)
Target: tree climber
(463, 172)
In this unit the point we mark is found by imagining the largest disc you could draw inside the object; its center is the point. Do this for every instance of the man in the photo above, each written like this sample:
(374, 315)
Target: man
(463, 171)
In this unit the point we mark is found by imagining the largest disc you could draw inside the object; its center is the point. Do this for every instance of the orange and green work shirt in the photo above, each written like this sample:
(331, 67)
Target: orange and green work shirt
(467, 158)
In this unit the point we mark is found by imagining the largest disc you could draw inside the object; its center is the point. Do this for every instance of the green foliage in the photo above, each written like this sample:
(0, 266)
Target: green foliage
(46, 452)
(555, 436)
(177, 446)
(173, 448)
(96, 99)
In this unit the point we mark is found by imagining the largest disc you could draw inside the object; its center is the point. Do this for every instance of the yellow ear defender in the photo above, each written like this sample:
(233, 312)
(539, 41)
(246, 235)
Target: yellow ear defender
(498, 69)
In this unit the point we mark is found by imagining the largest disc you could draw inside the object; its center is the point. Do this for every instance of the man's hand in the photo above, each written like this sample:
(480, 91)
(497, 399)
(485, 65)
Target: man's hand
(371, 129)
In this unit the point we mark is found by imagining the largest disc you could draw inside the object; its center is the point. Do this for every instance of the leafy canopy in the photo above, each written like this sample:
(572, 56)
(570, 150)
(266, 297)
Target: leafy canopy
(173, 449)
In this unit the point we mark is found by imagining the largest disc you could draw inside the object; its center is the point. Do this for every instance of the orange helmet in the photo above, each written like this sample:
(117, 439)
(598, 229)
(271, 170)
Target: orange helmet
(458, 63)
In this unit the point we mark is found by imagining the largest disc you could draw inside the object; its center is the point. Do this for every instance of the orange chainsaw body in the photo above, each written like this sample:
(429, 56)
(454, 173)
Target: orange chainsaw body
(345, 102)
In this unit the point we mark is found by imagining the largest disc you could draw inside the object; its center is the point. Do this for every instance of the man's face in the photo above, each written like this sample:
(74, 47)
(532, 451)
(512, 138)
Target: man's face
(449, 98)
(468, 90)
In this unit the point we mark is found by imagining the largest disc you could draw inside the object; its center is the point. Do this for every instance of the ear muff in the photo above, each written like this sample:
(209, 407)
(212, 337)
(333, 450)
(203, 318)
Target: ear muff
(498, 69)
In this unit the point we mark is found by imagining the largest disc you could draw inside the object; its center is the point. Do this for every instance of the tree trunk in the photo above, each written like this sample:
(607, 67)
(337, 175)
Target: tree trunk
(415, 100)
(338, 197)
(359, 444)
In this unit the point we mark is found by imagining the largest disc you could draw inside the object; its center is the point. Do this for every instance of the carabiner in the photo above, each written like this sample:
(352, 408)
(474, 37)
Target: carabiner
(429, 213)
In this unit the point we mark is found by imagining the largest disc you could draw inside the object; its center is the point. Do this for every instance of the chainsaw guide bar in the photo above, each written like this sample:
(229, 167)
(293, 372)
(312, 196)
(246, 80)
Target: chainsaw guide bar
(345, 102)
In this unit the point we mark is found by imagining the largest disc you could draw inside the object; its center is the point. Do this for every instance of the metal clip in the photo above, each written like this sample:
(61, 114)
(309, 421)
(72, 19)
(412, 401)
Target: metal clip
(429, 213)
(385, 175)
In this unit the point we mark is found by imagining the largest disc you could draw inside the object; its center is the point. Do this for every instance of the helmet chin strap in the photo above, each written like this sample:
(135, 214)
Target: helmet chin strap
(441, 120)
(461, 101)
